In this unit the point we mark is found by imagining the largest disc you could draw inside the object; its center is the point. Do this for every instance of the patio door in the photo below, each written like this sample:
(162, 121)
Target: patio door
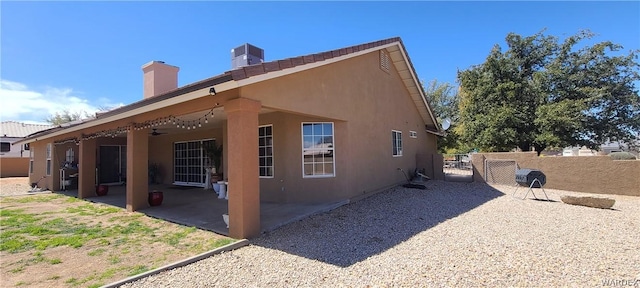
(112, 168)
(189, 163)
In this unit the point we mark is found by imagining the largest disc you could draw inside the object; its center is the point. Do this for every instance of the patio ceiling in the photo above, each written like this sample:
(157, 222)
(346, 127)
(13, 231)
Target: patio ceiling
(213, 120)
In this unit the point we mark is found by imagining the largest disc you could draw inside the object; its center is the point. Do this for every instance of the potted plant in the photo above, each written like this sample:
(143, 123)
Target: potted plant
(102, 190)
(155, 197)
(154, 173)
(214, 154)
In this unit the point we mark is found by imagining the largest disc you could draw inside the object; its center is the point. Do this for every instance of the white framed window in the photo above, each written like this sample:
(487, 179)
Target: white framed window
(318, 158)
(265, 151)
(413, 134)
(70, 155)
(48, 157)
(396, 138)
(30, 161)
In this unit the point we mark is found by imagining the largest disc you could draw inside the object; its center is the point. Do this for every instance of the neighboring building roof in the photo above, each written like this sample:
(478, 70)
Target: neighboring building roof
(271, 69)
(19, 130)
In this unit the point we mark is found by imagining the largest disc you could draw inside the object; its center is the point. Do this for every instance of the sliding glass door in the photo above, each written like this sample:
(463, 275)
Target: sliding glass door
(112, 166)
(189, 162)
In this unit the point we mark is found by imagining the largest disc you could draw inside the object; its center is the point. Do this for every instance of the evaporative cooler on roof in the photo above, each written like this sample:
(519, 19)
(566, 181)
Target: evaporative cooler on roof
(246, 55)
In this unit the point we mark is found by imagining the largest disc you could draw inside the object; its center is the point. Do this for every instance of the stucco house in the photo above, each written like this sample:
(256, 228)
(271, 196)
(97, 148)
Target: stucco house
(314, 128)
(14, 159)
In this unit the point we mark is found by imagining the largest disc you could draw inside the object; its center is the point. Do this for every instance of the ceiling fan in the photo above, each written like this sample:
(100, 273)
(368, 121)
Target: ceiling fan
(155, 132)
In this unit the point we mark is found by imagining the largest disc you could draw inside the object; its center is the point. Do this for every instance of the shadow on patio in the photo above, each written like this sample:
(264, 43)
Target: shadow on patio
(354, 232)
(194, 206)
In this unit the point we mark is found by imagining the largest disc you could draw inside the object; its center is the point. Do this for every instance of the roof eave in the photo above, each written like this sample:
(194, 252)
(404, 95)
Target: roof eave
(419, 87)
(437, 133)
(163, 101)
(231, 80)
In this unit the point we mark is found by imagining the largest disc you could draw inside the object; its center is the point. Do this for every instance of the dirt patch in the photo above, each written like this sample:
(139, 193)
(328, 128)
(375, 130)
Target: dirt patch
(59, 241)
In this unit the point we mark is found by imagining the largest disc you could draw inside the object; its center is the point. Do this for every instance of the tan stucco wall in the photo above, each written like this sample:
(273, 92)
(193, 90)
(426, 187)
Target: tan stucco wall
(438, 163)
(39, 165)
(366, 104)
(590, 174)
(14, 167)
(288, 184)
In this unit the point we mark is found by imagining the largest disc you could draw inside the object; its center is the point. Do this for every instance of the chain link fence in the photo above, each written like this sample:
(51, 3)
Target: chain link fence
(499, 171)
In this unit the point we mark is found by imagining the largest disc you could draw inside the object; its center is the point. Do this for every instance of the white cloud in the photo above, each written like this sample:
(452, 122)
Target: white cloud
(21, 103)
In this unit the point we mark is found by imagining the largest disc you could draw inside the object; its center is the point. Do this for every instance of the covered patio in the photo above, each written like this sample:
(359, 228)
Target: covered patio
(200, 208)
(150, 137)
(157, 139)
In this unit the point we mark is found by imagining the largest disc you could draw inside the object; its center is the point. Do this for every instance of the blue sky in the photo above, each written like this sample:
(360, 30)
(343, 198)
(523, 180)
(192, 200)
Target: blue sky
(84, 55)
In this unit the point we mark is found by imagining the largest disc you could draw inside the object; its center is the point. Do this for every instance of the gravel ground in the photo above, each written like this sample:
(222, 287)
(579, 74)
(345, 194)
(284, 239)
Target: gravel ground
(14, 186)
(453, 234)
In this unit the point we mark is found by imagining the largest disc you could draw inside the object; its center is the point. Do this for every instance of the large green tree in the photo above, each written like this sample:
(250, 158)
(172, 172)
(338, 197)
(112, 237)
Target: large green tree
(66, 116)
(541, 92)
(443, 98)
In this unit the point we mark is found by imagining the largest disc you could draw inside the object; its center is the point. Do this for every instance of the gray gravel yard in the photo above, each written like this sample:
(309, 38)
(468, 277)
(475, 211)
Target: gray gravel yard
(453, 234)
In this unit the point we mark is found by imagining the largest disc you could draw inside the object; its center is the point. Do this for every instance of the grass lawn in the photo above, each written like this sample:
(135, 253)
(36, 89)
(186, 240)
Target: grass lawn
(51, 240)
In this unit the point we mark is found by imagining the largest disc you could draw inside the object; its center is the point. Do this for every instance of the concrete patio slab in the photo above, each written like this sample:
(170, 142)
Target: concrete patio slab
(194, 206)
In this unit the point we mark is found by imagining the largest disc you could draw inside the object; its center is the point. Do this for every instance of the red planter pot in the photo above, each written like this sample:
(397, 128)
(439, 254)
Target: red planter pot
(102, 190)
(155, 198)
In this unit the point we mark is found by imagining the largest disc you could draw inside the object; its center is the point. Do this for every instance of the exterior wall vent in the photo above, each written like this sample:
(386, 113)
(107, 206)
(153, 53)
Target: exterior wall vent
(246, 55)
(385, 64)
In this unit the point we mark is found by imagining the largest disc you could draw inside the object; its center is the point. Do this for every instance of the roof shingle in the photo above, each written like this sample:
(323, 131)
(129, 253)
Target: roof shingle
(19, 129)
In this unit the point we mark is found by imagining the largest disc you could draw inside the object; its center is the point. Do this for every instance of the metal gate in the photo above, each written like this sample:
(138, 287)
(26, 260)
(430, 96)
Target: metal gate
(457, 164)
(457, 167)
(500, 171)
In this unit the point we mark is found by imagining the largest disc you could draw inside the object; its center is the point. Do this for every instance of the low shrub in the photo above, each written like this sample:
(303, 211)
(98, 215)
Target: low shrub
(622, 156)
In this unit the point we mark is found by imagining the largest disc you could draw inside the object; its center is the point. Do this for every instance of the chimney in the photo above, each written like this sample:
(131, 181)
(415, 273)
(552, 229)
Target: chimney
(246, 55)
(158, 78)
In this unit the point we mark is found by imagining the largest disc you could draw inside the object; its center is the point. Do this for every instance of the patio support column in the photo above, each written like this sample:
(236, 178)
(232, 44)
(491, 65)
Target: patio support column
(244, 182)
(87, 168)
(55, 166)
(137, 169)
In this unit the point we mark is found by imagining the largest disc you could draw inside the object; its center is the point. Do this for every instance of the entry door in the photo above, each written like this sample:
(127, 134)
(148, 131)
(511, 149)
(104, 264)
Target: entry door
(189, 163)
(112, 167)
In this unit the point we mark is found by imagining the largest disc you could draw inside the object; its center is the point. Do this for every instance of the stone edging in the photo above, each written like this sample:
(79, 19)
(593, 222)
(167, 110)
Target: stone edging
(228, 247)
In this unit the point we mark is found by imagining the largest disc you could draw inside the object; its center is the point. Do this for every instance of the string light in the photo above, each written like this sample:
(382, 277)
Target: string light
(65, 141)
(189, 124)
